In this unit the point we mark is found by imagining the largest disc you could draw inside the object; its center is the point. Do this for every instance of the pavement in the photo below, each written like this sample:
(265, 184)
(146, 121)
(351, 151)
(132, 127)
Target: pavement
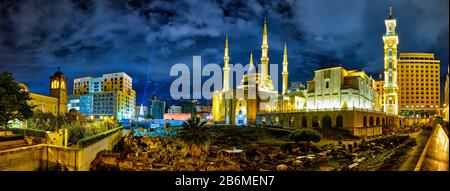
(416, 151)
(436, 153)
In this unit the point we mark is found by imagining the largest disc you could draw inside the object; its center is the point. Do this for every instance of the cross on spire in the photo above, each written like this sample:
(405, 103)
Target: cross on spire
(390, 11)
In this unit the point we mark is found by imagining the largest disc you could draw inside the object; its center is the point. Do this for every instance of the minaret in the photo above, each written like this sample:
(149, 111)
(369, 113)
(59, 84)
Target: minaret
(390, 40)
(265, 54)
(226, 67)
(251, 67)
(285, 70)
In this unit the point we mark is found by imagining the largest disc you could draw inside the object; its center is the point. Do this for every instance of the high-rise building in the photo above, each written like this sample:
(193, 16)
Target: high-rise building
(390, 40)
(110, 95)
(419, 82)
(157, 108)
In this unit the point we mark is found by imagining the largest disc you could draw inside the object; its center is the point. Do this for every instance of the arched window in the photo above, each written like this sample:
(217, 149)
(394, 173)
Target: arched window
(371, 122)
(364, 121)
(377, 123)
(339, 121)
(390, 64)
(390, 52)
(326, 122)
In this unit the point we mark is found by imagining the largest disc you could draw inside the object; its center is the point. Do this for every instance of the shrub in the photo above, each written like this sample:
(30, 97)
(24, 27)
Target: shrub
(28, 132)
(11, 137)
(305, 135)
(94, 138)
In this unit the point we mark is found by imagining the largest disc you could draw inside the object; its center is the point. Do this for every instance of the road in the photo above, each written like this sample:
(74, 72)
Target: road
(436, 154)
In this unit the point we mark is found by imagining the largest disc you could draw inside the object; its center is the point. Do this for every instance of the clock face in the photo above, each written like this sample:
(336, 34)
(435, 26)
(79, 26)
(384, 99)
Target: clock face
(390, 43)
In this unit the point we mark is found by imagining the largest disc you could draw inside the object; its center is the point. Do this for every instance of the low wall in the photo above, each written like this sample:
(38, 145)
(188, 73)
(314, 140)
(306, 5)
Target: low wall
(21, 159)
(88, 154)
(46, 157)
(368, 131)
(12, 143)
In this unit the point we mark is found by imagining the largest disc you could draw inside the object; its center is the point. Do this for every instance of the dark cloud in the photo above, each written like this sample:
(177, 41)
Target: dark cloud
(144, 38)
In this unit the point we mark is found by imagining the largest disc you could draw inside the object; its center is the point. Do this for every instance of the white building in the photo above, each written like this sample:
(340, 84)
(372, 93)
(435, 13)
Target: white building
(174, 109)
(338, 88)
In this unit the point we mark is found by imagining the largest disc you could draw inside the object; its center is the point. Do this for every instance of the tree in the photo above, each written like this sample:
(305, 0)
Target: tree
(195, 137)
(13, 102)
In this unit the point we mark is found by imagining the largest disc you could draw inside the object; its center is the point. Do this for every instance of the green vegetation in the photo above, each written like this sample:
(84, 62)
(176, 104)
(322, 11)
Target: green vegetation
(305, 135)
(97, 137)
(13, 102)
(78, 126)
(11, 137)
(29, 132)
(195, 137)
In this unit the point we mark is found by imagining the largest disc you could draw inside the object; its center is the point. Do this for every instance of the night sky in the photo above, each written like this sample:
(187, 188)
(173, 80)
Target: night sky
(145, 38)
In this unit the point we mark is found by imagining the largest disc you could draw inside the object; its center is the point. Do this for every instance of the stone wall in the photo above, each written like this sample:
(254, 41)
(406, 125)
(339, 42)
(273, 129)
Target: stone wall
(349, 119)
(46, 157)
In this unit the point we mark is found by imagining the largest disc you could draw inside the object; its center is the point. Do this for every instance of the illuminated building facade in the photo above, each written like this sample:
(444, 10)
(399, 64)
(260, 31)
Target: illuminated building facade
(157, 108)
(338, 88)
(174, 109)
(419, 81)
(390, 40)
(379, 87)
(110, 95)
(82, 103)
(177, 116)
(445, 109)
(141, 112)
(56, 102)
(255, 91)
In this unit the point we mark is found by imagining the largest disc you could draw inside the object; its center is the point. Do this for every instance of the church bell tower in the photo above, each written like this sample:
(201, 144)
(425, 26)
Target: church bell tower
(390, 40)
(58, 89)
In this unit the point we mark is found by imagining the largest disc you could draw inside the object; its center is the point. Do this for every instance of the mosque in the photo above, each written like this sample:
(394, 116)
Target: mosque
(254, 93)
(334, 98)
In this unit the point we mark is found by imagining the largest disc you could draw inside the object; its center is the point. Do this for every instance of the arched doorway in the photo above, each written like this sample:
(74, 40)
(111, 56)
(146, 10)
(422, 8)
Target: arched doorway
(377, 122)
(304, 122)
(315, 121)
(241, 112)
(326, 121)
(371, 122)
(339, 121)
(292, 121)
(383, 121)
(364, 121)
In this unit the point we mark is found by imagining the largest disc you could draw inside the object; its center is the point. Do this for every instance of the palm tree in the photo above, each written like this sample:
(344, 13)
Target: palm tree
(195, 138)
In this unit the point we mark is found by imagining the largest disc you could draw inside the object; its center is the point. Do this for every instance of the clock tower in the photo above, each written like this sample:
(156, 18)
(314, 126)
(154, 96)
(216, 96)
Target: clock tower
(390, 88)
